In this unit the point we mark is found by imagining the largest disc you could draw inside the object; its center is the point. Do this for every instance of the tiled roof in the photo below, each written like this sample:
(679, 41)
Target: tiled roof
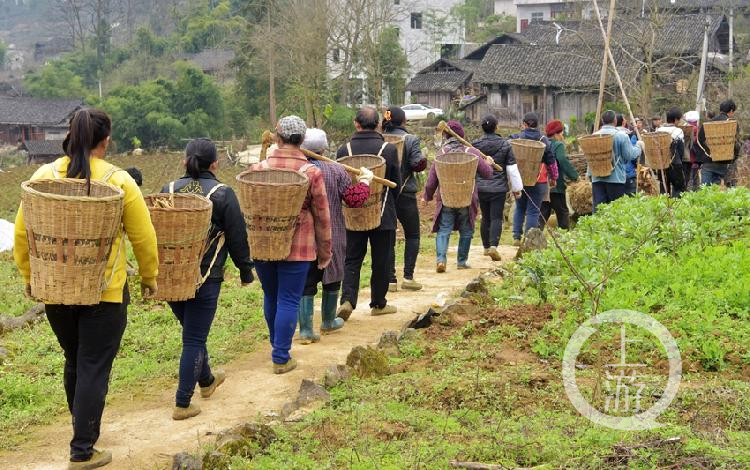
(44, 147)
(37, 111)
(438, 81)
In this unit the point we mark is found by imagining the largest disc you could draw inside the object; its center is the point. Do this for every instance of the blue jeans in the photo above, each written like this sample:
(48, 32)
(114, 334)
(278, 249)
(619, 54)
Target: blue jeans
(604, 193)
(527, 208)
(450, 218)
(195, 316)
(713, 173)
(283, 283)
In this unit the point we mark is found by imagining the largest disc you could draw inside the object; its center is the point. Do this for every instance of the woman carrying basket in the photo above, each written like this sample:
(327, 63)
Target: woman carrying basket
(284, 281)
(90, 335)
(229, 236)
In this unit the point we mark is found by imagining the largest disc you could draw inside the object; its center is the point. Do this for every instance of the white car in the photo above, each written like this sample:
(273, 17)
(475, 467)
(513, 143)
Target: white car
(420, 111)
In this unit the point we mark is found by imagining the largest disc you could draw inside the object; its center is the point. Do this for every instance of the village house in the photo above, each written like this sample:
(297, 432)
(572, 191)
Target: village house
(23, 119)
(42, 151)
(443, 83)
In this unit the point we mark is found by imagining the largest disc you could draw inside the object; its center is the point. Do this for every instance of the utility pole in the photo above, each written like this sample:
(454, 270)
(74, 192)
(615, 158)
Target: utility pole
(731, 48)
(603, 77)
(702, 76)
(271, 72)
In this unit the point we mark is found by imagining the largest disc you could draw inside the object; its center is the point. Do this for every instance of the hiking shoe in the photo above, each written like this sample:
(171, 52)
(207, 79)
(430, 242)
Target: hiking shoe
(383, 311)
(440, 267)
(393, 287)
(493, 253)
(181, 413)
(411, 284)
(219, 377)
(463, 266)
(345, 310)
(98, 459)
(516, 242)
(288, 366)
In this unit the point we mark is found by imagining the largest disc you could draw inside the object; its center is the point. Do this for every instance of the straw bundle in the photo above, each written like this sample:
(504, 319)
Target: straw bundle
(581, 197)
(720, 138)
(657, 149)
(687, 131)
(182, 223)
(528, 155)
(271, 200)
(70, 232)
(598, 152)
(647, 182)
(398, 141)
(456, 172)
(368, 216)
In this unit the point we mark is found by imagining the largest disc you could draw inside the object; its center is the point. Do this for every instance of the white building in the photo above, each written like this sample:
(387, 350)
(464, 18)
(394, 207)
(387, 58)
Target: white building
(505, 7)
(529, 11)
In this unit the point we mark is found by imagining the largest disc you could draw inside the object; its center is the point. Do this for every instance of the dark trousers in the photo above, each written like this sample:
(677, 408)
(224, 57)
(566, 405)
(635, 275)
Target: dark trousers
(604, 193)
(195, 316)
(558, 204)
(408, 214)
(381, 242)
(283, 283)
(631, 185)
(90, 338)
(492, 206)
(315, 276)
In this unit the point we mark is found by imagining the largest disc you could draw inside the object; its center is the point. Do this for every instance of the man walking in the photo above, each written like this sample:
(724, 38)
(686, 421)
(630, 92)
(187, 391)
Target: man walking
(713, 172)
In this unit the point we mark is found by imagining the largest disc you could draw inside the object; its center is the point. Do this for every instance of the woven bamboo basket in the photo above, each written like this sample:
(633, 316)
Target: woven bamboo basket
(398, 141)
(456, 172)
(597, 150)
(528, 155)
(71, 233)
(687, 130)
(366, 217)
(657, 150)
(271, 200)
(182, 223)
(720, 136)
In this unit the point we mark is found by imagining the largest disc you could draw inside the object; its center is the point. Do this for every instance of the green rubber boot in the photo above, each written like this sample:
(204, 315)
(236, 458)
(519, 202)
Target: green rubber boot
(330, 322)
(305, 317)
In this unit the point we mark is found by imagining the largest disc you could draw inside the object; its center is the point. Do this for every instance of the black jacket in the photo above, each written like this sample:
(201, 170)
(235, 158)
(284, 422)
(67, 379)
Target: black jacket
(369, 143)
(701, 148)
(412, 159)
(226, 217)
(535, 134)
(502, 152)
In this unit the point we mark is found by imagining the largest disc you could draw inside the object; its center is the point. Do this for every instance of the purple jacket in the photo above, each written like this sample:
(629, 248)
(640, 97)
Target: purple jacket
(431, 187)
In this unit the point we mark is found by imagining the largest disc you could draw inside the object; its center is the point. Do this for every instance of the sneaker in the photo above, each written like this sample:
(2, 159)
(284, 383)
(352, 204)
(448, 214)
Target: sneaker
(516, 242)
(440, 267)
(345, 310)
(486, 252)
(289, 366)
(393, 287)
(493, 253)
(383, 311)
(411, 284)
(98, 459)
(181, 413)
(463, 266)
(219, 377)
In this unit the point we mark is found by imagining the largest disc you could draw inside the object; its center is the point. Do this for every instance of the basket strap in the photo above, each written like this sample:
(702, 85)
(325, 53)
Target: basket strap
(219, 238)
(382, 147)
(214, 189)
(109, 173)
(349, 148)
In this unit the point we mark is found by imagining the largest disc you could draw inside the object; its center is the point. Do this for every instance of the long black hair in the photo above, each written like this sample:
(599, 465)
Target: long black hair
(88, 128)
(199, 155)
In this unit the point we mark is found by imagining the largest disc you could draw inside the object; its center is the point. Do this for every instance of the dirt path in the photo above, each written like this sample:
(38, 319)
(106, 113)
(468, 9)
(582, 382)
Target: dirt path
(141, 434)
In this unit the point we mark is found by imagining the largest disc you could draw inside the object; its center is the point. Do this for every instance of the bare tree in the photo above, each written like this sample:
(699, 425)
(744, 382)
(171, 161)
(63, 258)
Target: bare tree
(74, 14)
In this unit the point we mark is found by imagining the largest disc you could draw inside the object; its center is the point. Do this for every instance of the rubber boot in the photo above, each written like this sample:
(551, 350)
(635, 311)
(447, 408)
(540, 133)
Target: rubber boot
(305, 317)
(330, 322)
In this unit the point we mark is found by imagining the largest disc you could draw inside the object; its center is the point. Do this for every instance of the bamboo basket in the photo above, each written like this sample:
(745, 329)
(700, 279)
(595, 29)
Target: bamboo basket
(368, 216)
(597, 150)
(528, 155)
(657, 150)
(687, 130)
(720, 137)
(271, 200)
(182, 223)
(456, 172)
(398, 141)
(71, 233)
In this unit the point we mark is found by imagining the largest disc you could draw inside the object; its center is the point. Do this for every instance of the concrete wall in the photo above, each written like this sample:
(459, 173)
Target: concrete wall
(505, 7)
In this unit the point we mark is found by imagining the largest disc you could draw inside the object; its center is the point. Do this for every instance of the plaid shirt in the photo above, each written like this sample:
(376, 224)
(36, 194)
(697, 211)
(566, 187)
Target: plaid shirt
(312, 237)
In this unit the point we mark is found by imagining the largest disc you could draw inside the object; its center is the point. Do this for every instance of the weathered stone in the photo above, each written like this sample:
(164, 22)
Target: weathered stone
(289, 408)
(532, 241)
(245, 440)
(409, 334)
(185, 461)
(215, 460)
(388, 343)
(3, 354)
(310, 391)
(335, 375)
(367, 362)
(296, 416)
(476, 286)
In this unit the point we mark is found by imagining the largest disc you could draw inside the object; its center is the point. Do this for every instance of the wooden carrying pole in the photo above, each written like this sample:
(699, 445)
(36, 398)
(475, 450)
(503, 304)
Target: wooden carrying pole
(443, 127)
(603, 77)
(266, 142)
(350, 169)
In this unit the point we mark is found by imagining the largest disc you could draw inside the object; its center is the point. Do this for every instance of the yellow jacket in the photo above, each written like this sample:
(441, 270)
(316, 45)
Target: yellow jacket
(135, 219)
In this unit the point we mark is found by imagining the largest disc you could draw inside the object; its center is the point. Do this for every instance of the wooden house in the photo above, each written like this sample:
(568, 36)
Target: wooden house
(23, 119)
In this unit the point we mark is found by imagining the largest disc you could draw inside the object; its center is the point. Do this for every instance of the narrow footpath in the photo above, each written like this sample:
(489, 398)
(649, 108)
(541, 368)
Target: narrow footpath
(141, 434)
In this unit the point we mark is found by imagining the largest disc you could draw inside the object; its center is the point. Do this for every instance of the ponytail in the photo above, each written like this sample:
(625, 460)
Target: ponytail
(199, 155)
(88, 128)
